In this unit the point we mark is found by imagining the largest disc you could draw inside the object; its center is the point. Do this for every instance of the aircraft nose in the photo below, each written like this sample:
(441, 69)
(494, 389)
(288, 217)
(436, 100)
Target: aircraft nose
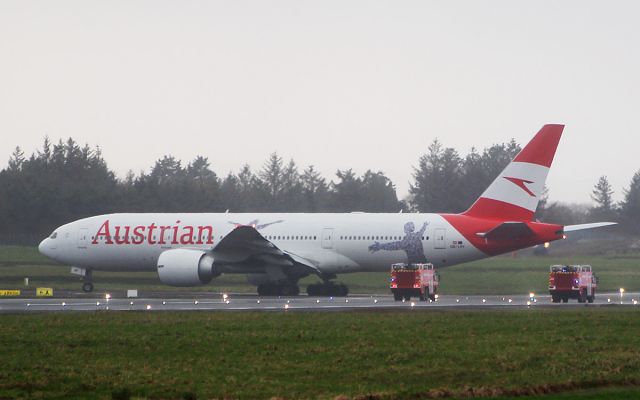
(42, 247)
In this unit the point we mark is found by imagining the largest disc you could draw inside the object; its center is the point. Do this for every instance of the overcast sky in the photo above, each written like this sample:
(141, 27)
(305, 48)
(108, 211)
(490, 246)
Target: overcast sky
(337, 84)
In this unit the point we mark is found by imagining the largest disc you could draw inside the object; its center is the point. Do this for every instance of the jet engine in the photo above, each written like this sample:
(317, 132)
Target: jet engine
(186, 267)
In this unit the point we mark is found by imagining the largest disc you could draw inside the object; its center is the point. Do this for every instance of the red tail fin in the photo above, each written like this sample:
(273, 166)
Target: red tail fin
(514, 194)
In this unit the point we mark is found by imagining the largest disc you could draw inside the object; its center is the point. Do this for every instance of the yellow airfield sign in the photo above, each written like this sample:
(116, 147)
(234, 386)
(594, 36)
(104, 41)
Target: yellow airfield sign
(9, 293)
(44, 292)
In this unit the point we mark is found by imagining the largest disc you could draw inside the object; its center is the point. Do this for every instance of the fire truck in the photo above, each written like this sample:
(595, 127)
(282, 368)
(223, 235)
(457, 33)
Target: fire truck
(418, 280)
(572, 282)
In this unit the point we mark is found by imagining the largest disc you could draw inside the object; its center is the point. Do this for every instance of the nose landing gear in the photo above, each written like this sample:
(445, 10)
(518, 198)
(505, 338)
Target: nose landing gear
(87, 285)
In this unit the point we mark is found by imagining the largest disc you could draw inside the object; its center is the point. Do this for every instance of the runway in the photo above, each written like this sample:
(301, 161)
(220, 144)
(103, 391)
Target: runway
(244, 302)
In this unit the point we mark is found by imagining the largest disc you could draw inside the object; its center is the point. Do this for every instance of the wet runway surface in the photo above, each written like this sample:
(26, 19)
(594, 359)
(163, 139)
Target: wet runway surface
(244, 302)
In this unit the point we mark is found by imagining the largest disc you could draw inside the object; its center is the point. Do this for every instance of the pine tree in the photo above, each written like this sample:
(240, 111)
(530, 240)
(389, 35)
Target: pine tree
(437, 181)
(272, 175)
(315, 190)
(630, 207)
(379, 194)
(16, 160)
(602, 195)
(346, 193)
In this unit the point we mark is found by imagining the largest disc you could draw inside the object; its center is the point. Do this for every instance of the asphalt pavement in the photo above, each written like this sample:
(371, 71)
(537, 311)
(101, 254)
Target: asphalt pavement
(244, 302)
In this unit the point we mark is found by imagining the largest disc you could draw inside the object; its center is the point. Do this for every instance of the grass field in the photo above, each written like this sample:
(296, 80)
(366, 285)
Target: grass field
(583, 353)
(498, 275)
(546, 354)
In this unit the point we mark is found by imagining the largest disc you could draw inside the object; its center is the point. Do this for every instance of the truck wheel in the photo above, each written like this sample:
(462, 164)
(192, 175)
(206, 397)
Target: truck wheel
(555, 298)
(407, 297)
(397, 296)
(590, 299)
(565, 299)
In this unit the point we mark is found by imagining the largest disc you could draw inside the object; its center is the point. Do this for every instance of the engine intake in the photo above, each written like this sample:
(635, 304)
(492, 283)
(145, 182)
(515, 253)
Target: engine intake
(186, 267)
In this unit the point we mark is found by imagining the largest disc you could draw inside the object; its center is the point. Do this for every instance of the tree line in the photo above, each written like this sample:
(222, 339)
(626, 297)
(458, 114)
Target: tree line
(64, 181)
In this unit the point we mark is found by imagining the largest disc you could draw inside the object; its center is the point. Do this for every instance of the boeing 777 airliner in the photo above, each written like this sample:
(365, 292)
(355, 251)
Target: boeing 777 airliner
(276, 250)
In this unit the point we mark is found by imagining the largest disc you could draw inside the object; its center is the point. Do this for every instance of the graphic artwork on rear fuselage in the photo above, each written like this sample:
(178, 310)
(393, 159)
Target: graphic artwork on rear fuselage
(411, 244)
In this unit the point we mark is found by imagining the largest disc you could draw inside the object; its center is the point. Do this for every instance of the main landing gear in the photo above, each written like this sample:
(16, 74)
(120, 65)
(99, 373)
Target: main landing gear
(87, 284)
(328, 288)
(277, 289)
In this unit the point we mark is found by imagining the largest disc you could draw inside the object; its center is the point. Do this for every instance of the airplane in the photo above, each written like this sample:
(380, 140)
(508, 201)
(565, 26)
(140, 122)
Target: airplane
(276, 250)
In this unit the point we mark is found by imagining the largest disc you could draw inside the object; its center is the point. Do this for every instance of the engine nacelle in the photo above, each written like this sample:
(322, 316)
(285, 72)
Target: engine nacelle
(186, 267)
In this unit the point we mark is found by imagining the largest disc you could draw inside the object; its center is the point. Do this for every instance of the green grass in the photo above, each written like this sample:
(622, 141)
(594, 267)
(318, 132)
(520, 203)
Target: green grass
(22, 255)
(497, 275)
(602, 394)
(394, 354)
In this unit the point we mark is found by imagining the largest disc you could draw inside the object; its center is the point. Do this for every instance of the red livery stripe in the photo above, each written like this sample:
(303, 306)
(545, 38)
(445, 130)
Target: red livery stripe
(498, 210)
(542, 147)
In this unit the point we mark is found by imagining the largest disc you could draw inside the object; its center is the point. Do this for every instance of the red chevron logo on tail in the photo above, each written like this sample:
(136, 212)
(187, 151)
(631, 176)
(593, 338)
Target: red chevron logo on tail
(521, 184)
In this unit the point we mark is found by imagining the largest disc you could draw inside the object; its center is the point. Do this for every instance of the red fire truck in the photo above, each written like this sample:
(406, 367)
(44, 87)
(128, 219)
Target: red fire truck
(572, 282)
(418, 280)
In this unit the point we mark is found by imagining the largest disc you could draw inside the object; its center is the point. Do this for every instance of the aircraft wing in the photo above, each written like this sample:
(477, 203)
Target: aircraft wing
(507, 230)
(245, 245)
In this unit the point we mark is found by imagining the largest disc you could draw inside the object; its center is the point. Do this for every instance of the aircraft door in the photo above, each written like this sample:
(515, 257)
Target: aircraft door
(327, 238)
(83, 234)
(440, 237)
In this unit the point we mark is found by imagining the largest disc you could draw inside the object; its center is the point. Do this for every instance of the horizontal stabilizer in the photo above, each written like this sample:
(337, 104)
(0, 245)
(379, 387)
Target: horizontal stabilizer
(580, 227)
(507, 230)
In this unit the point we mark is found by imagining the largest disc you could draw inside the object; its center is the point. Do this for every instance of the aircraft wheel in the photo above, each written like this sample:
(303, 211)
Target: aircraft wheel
(314, 290)
(338, 290)
(288, 290)
(311, 290)
(264, 290)
(87, 287)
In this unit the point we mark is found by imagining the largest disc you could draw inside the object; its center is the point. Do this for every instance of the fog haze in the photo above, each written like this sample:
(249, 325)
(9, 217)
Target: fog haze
(335, 84)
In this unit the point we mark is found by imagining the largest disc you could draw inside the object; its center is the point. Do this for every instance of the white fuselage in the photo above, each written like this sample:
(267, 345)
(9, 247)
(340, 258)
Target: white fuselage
(334, 243)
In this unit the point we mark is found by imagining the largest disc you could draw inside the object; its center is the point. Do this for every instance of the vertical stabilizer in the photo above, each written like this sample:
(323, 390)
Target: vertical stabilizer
(515, 193)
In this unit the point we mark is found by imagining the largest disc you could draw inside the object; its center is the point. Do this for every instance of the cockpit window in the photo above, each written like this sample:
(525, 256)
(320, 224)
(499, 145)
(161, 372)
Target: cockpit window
(53, 235)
